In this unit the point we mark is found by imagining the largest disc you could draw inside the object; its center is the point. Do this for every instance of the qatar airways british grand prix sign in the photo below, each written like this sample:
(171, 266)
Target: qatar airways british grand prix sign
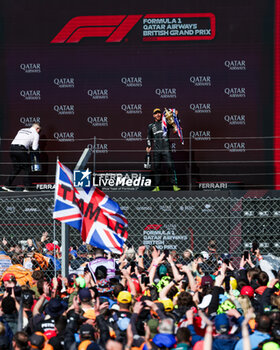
(155, 27)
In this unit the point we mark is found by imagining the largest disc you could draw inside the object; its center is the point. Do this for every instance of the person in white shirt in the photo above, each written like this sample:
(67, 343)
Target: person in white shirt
(27, 138)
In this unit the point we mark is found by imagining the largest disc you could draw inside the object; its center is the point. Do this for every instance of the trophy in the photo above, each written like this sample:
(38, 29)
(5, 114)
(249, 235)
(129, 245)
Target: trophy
(148, 161)
(170, 119)
(35, 165)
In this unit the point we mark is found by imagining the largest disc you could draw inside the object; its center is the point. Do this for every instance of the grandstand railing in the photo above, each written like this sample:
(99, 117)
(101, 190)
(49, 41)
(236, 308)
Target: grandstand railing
(241, 162)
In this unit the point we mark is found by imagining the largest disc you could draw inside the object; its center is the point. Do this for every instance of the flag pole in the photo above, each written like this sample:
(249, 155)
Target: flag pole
(64, 242)
(65, 229)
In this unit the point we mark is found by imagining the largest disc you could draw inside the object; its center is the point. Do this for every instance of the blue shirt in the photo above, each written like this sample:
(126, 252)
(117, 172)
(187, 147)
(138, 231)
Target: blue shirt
(255, 338)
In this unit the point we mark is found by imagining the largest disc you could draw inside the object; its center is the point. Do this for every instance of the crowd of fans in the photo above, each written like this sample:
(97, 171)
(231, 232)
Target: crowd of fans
(143, 299)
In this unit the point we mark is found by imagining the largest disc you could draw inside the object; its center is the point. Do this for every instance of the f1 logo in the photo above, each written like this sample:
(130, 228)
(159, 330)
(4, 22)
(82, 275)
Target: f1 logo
(114, 27)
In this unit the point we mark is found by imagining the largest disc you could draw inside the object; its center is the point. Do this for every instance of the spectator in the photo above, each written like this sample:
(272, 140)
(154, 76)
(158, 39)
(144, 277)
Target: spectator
(263, 328)
(104, 310)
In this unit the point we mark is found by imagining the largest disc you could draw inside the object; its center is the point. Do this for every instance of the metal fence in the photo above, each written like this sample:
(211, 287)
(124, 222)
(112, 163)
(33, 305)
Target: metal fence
(167, 221)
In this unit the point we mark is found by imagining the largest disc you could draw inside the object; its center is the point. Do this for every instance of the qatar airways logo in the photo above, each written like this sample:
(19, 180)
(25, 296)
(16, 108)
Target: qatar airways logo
(31, 94)
(98, 121)
(132, 81)
(235, 146)
(101, 148)
(200, 108)
(64, 82)
(132, 108)
(29, 121)
(31, 67)
(235, 64)
(10, 209)
(166, 92)
(235, 119)
(201, 80)
(64, 136)
(235, 92)
(201, 135)
(98, 94)
(131, 135)
(64, 109)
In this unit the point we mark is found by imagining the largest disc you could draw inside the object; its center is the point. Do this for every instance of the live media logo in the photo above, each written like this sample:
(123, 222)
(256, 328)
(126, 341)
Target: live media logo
(82, 178)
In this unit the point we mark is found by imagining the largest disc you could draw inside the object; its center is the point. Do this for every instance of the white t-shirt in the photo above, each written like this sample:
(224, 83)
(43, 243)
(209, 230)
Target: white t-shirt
(27, 137)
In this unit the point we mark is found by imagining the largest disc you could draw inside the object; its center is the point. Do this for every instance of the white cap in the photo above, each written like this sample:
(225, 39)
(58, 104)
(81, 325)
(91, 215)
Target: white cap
(205, 301)
(205, 255)
(115, 307)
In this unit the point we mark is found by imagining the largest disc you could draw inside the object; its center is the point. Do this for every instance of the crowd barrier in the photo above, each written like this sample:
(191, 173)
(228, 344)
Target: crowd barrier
(174, 221)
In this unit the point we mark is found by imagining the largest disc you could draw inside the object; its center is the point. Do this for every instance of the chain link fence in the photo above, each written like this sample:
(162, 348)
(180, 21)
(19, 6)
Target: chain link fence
(168, 222)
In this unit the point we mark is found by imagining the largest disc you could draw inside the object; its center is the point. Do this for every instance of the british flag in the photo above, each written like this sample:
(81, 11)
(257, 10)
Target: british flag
(176, 121)
(66, 209)
(102, 222)
(164, 124)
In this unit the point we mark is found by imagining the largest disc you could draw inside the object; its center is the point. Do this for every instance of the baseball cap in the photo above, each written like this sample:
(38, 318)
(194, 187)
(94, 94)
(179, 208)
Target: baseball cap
(27, 297)
(124, 297)
(247, 290)
(90, 313)
(156, 110)
(222, 323)
(87, 331)
(50, 247)
(162, 270)
(8, 277)
(233, 283)
(168, 304)
(84, 294)
(37, 340)
(207, 281)
(205, 255)
(271, 345)
(205, 301)
(55, 307)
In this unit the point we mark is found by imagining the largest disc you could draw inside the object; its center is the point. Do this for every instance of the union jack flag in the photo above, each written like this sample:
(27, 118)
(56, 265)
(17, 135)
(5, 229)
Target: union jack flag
(101, 220)
(176, 120)
(164, 124)
(66, 208)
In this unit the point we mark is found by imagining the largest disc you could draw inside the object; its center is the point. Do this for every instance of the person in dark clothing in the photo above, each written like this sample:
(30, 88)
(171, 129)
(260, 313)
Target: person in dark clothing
(10, 312)
(162, 153)
(20, 341)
